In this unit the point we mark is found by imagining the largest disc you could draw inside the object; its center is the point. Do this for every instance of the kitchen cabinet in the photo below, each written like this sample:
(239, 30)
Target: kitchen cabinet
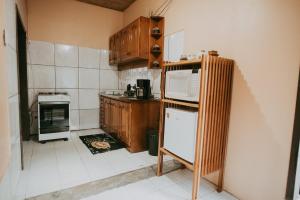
(128, 120)
(131, 44)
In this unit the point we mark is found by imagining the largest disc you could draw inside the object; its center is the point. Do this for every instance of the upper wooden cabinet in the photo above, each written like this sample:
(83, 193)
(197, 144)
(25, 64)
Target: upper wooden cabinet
(131, 44)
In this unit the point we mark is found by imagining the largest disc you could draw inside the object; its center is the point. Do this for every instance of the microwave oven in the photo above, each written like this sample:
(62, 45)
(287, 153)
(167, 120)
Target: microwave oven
(183, 84)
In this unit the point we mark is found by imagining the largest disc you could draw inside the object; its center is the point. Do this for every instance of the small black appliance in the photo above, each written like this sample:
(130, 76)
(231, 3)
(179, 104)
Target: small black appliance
(143, 90)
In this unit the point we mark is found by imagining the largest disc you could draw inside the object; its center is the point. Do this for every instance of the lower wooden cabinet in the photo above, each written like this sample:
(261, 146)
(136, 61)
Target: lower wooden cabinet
(128, 120)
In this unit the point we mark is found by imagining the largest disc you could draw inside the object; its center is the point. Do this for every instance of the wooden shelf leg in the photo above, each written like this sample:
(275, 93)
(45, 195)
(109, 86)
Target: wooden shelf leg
(160, 163)
(220, 180)
(196, 184)
(161, 140)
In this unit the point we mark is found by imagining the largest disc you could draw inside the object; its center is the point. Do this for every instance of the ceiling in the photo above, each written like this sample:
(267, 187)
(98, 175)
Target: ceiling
(119, 5)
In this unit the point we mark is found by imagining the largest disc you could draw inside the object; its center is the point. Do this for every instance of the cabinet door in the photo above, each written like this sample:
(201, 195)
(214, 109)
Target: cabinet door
(117, 47)
(130, 42)
(113, 115)
(134, 46)
(111, 50)
(115, 118)
(125, 123)
(124, 44)
(106, 120)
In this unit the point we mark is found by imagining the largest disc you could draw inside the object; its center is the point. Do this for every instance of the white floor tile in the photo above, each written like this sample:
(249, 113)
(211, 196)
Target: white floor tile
(61, 164)
(167, 187)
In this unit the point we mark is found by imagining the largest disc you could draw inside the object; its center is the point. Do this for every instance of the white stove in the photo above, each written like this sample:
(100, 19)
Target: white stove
(53, 116)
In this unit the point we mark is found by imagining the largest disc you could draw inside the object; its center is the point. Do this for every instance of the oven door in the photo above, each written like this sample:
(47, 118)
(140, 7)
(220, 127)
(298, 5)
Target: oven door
(53, 117)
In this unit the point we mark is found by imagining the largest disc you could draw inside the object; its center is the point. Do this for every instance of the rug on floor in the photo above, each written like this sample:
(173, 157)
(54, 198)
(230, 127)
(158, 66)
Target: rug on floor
(100, 143)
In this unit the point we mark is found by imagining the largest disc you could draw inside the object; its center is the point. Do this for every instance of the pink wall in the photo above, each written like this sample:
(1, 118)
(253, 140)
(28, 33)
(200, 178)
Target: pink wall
(72, 22)
(263, 37)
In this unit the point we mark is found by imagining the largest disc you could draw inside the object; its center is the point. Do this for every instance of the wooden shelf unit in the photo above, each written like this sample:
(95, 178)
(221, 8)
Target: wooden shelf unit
(213, 117)
(156, 39)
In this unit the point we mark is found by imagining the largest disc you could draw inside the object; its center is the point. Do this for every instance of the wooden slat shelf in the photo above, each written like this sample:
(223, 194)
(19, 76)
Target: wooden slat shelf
(193, 105)
(213, 117)
(182, 63)
(177, 158)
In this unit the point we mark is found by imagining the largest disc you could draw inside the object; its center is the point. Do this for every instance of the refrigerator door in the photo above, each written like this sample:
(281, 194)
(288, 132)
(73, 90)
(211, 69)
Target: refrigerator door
(180, 133)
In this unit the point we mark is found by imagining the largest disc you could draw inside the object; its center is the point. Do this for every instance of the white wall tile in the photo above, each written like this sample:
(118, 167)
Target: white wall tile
(88, 78)
(74, 119)
(89, 119)
(11, 177)
(155, 80)
(109, 80)
(41, 53)
(34, 123)
(104, 61)
(31, 97)
(10, 23)
(89, 58)
(44, 76)
(88, 99)
(12, 68)
(14, 117)
(30, 77)
(15, 164)
(66, 55)
(66, 77)
(73, 93)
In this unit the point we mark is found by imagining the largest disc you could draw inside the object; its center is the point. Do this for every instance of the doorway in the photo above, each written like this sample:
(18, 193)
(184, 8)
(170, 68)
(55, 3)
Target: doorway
(22, 82)
(293, 183)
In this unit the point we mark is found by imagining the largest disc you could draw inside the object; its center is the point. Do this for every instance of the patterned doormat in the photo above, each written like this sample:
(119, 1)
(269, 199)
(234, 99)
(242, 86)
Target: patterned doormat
(100, 143)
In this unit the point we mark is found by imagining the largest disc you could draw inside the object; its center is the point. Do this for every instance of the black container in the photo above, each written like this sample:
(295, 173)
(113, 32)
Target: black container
(152, 142)
(144, 89)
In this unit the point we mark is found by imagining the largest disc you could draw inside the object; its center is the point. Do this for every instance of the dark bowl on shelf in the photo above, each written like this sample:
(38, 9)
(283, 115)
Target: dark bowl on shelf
(155, 64)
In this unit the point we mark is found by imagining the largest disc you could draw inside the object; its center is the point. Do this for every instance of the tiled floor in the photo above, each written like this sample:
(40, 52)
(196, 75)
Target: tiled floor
(173, 186)
(58, 165)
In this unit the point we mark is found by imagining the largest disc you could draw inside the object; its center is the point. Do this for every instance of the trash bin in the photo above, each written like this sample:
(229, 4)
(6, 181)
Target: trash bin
(152, 141)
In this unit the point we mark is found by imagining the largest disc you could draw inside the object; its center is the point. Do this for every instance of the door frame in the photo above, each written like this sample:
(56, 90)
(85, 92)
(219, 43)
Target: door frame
(294, 149)
(19, 23)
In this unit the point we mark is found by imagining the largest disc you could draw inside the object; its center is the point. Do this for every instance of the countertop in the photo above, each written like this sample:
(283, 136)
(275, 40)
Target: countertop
(127, 99)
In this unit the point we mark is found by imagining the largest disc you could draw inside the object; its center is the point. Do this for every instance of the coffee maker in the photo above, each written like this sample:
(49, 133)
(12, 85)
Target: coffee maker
(143, 89)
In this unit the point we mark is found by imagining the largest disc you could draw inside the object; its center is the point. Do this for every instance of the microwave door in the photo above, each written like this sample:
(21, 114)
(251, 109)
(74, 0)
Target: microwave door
(183, 85)
(177, 83)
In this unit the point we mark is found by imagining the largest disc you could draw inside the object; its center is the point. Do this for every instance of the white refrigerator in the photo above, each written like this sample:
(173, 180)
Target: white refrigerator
(180, 133)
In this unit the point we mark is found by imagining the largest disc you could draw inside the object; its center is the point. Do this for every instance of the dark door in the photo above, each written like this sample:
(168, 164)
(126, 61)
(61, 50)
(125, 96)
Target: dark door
(294, 150)
(23, 87)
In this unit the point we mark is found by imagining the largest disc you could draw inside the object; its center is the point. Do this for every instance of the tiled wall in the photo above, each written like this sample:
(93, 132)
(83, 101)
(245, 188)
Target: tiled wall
(8, 185)
(131, 75)
(81, 72)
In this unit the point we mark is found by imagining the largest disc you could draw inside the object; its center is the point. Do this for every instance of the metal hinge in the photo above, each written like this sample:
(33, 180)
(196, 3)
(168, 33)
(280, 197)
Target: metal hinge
(4, 38)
